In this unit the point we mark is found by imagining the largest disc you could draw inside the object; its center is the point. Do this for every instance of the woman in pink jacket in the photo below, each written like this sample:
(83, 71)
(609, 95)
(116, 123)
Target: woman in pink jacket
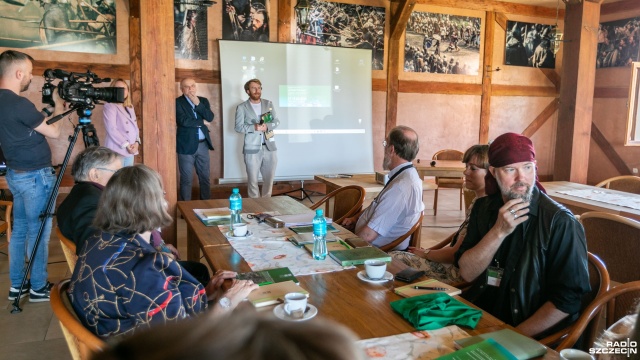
(123, 135)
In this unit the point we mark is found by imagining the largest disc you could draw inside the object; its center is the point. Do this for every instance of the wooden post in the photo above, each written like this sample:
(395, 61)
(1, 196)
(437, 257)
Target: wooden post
(487, 73)
(284, 21)
(135, 76)
(157, 75)
(576, 92)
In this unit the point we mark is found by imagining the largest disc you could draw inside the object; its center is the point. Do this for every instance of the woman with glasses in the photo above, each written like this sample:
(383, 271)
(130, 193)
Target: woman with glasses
(121, 283)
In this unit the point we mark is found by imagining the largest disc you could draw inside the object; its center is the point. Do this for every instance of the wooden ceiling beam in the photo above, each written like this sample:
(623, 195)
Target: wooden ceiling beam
(496, 6)
(400, 18)
(619, 7)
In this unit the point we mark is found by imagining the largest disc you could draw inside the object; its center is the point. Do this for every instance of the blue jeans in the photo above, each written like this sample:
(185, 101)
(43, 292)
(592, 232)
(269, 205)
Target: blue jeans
(127, 161)
(31, 191)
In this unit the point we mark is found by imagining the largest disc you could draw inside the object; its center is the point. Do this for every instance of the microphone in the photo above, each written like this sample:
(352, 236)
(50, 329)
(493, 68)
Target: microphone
(61, 73)
(433, 163)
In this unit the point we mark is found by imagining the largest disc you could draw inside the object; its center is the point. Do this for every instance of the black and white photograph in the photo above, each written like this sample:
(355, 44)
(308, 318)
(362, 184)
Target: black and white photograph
(73, 25)
(618, 43)
(530, 45)
(245, 20)
(346, 25)
(442, 44)
(190, 32)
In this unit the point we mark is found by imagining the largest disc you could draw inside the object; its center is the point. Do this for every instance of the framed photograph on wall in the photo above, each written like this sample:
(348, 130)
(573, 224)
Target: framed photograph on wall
(73, 26)
(245, 20)
(529, 44)
(618, 43)
(346, 25)
(633, 116)
(191, 39)
(442, 43)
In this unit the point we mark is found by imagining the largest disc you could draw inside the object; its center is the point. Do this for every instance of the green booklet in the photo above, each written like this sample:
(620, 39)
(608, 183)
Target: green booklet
(358, 256)
(520, 346)
(308, 229)
(485, 350)
(270, 276)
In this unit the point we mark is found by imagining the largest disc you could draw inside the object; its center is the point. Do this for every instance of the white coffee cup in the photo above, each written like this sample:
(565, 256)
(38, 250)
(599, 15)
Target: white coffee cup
(295, 304)
(239, 229)
(575, 354)
(375, 269)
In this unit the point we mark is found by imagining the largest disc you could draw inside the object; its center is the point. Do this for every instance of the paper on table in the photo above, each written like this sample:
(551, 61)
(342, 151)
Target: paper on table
(213, 213)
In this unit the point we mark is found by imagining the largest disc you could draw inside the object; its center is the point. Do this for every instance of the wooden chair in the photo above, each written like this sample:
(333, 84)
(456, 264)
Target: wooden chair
(68, 248)
(5, 225)
(82, 343)
(626, 183)
(616, 240)
(342, 203)
(447, 182)
(414, 232)
(600, 283)
(590, 318)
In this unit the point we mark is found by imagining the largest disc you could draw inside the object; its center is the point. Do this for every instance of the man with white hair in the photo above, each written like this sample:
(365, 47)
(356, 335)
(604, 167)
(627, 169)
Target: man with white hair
(525, 254)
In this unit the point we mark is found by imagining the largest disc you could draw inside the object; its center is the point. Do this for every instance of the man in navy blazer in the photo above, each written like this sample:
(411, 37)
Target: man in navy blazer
(192, 139)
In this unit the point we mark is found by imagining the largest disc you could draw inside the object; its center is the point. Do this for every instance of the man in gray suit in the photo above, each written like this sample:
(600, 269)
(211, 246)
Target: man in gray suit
(253, 120)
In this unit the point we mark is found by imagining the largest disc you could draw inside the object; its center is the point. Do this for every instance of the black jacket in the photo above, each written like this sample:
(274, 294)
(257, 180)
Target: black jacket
(544, 259)
(188, 124)
(77, 211)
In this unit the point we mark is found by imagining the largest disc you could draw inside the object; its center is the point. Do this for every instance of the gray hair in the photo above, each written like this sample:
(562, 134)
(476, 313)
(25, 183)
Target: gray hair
(132, 202)
(91, 158)
(10, 58)
(405, 142)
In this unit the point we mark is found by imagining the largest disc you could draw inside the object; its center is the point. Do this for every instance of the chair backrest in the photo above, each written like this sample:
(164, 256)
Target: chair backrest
(590, 315)
(68, 248)
(5, 226)
(342, 203)
(626, 183)
(414, 232)
(600, 283)
(81, 342)
(448, 154)
(615, 239)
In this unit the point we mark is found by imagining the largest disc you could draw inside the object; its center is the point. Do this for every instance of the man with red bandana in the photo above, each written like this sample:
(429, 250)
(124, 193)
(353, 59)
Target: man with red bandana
(525, 254)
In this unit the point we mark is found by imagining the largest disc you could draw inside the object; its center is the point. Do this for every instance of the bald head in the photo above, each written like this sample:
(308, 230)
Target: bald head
(405, 142)
(188, 86)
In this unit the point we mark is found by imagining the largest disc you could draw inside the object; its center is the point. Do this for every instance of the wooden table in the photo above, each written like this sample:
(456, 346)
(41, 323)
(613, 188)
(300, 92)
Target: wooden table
(579, 205)
(339, 296)
(366, 181)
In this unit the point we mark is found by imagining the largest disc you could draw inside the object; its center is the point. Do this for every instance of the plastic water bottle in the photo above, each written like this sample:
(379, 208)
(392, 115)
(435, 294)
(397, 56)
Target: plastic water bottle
(319, 233)
(235, 205)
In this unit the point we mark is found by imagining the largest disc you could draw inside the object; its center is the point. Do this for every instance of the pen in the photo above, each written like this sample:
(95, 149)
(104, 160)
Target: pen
(430, 288)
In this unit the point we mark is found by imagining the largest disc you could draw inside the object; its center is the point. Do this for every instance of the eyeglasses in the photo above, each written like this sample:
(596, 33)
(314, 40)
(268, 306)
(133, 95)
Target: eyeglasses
(105, 169)
(384, 143)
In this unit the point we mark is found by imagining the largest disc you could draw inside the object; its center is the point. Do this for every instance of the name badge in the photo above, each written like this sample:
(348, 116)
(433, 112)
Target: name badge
(494, 276)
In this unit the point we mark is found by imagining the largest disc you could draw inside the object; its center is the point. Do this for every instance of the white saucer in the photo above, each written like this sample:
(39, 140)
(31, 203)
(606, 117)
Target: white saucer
(230, 235)
(278, 311)
(362, 275)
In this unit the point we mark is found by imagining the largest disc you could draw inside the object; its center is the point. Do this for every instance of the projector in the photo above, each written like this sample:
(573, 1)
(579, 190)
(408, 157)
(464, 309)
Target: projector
(382, 177)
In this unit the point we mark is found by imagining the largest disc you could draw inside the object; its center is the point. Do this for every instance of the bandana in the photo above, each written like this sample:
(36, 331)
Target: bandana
(507, 149)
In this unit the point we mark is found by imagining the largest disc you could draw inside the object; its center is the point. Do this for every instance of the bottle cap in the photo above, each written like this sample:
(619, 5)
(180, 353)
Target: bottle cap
(235, 190)
(319, 212)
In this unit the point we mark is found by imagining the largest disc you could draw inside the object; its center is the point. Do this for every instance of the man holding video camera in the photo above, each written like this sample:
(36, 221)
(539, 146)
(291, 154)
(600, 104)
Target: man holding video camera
(30, 175)
(256, 118)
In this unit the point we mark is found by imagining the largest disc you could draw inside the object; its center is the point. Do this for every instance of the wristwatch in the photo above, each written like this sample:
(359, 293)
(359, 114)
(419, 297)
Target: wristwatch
(225, 303)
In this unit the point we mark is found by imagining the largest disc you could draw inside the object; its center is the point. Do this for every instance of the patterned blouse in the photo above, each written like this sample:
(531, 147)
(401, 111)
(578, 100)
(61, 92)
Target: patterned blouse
(121, 283)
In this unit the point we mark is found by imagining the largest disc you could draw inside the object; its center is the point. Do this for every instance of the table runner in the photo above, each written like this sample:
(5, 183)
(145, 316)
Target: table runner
(414, 345)
(605, 197)
(269, 248)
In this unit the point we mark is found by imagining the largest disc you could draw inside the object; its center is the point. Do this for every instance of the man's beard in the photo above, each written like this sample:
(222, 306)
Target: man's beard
(254, 97)
(510, 194)
(386, 162)
(25, 87)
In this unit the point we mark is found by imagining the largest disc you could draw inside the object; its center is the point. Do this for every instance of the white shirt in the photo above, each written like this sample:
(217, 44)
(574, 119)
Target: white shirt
(396, 209)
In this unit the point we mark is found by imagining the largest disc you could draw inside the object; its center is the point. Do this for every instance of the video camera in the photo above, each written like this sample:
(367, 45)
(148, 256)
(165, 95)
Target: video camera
(77, 88)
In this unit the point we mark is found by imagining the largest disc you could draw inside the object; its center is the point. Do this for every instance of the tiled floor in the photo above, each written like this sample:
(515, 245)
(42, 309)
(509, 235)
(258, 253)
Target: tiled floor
(35, 334)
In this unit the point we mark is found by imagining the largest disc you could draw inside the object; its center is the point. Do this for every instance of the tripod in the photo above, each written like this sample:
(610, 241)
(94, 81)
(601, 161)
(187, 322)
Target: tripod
(304, 194)
(90, 139)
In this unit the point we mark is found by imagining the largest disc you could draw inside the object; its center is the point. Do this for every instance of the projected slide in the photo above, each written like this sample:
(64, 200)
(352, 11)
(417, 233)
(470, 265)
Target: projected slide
(322, 97)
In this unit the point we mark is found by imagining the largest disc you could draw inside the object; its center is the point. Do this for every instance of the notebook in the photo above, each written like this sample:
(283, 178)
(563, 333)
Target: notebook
(269, 276)
(522, 347)
(358, 256)
(269, 294)
(411, 291)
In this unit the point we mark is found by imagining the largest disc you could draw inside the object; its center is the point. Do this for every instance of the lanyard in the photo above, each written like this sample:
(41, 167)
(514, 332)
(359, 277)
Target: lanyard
(395, 175)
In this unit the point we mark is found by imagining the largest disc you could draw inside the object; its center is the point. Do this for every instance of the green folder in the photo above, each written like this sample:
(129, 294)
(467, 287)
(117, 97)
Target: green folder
(358, 256)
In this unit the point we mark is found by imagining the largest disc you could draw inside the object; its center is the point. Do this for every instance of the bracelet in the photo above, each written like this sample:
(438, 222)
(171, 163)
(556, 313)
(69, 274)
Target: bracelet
(47, 111)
